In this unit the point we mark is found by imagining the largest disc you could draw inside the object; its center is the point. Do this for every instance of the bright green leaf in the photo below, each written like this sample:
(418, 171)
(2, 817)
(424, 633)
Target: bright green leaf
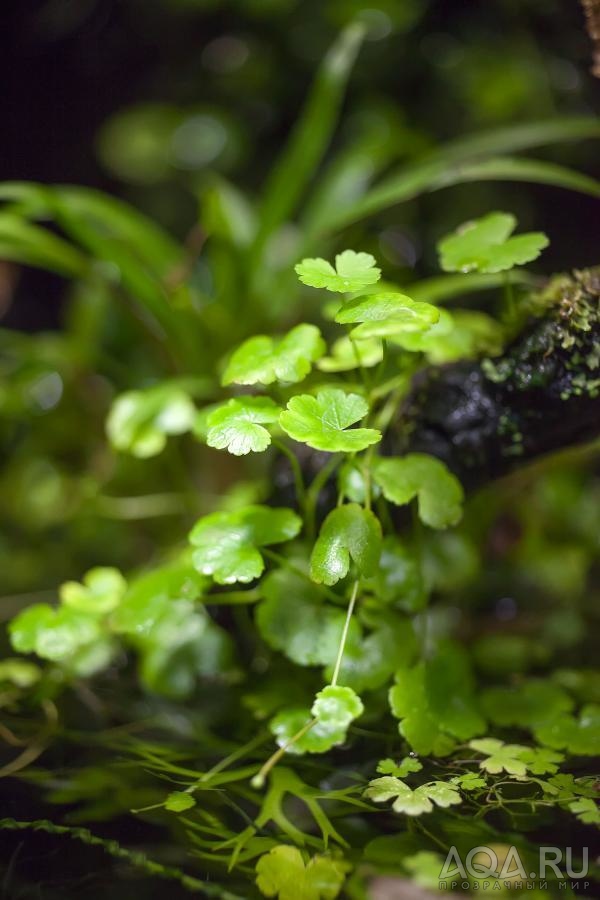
(353, 272)
(179, 801)
(101, 592)
(586, 810)
(500, 757)
(439, 492)
(485, 245)
(283, 873)
(320, 738)
(408, 766)
(348, 532)
(337, 706)
(237, 426)
(226, 544)
(54, 634)
(263, 359)
(386, 315)
(323, 421)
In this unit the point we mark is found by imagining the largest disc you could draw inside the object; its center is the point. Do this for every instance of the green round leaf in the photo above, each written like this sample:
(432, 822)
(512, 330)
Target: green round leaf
(294, 619)
(337, 706)
(263, 359)
(485, 245)
(320, 738)
(179, 801)
(385, 315)
(353, 272)
(439, 492)
(348, 532)
(283, 873)
(101, 591)
(323, 421)
(237, 426)
(226, 545)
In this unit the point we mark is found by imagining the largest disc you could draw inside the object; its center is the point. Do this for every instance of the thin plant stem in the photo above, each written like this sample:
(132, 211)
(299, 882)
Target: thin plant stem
(260, 777)
(340, 656)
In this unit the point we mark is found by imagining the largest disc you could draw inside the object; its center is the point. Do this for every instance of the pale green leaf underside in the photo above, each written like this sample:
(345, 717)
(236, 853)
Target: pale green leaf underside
(412, 802)
(282, 873)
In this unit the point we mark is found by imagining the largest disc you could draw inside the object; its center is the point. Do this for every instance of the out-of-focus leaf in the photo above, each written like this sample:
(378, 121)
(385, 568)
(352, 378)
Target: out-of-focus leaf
(139, 421)
(430, 176)
(101, 592)
(440, 493)
(179, 801)
(485, 245)
(309, 139)
(348, 354)
(294, 619)
(23, 242)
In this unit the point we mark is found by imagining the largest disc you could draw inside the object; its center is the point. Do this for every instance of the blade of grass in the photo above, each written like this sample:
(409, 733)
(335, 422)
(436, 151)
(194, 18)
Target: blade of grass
(441, 288)
(309, 139)
(428, 177)
(28, 244)
(514, 138)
